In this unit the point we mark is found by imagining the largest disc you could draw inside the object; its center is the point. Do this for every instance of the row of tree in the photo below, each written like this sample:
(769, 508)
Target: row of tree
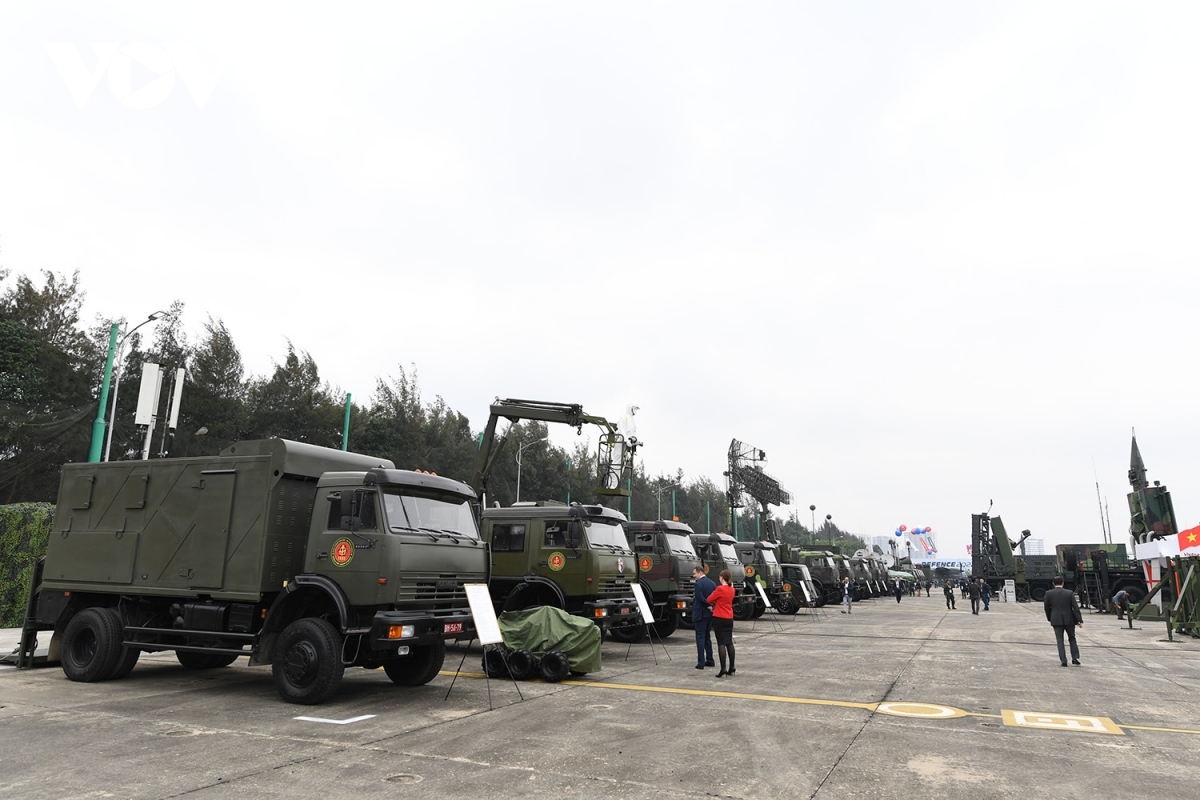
(51, 366)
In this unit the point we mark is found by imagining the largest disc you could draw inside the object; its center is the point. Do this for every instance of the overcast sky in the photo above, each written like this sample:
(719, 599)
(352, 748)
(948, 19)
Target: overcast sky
(925, 255)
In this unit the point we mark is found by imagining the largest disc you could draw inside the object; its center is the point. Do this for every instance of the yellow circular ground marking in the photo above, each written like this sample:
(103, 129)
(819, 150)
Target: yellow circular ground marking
(920, 710)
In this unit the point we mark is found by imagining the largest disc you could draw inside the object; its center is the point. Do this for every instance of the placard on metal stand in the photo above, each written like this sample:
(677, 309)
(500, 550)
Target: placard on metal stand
(648, 620)
(808, 598)
(762, 595)
(487, 630)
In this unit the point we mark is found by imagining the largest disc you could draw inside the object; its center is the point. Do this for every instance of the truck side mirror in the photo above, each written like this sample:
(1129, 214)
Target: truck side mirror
(349, 509)
(573, 537)
(660, 545)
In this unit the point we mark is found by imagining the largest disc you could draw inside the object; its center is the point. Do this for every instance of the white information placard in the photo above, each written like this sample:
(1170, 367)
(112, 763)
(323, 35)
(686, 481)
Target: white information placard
(762, 594)
(643, 605)
(807, 594)
(487, 627)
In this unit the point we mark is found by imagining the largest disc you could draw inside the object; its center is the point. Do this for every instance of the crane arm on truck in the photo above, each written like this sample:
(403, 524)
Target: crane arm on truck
(614, 457)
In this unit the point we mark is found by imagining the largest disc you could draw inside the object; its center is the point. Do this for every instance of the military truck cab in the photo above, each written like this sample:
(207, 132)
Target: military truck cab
(762, 567)
(302, 557)
(716, 552)
(799, 590)
(575, 558)
(665, 559)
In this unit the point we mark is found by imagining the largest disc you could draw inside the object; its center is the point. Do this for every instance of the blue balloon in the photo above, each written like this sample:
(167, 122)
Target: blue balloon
(898, 533)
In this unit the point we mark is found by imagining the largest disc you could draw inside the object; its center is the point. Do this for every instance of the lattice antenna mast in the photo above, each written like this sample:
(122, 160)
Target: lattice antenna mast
(746, 476)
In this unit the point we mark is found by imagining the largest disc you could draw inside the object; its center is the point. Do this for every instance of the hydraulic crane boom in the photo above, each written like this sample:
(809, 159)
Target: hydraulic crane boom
(614, 458)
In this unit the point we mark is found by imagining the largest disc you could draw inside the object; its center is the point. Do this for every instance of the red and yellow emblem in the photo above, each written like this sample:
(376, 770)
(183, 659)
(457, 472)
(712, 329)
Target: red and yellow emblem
(787, 587)
(342, 552)
(749, 571)
(706, 569)
(645, 563)
(556, 561)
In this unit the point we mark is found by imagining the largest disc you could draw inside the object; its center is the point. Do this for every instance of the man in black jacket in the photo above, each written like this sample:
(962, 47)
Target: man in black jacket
(1062, 611)
(973, 593)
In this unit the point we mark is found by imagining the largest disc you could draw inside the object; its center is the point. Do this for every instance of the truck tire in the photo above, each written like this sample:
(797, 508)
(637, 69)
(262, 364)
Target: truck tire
(665, 627)
(522, 665)
(685, 620)
(786, 604)
(760, 608)
(419, 667)
(193, 660)
(308, 661)
(1039, 594)
(743, 611)
(555, 666)
(627, 634)
(91, 645)
(128, 656)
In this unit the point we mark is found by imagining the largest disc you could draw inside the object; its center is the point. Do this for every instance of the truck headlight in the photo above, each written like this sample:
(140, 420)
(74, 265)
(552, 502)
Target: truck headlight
(402, 631)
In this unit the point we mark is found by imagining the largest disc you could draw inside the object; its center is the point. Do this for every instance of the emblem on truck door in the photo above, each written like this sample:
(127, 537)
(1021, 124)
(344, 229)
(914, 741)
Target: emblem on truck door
(556, 561)
(342, 552)
(646, 564)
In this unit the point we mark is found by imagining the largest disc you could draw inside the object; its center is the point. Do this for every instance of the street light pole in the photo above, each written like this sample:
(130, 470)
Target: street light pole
(521, 450)
(813, 531)
(112, 417)
(659, 493)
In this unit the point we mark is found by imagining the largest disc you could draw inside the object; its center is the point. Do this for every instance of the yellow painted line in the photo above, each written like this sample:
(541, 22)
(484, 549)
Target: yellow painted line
(1163, 730)
(735, 695)
(895, 708)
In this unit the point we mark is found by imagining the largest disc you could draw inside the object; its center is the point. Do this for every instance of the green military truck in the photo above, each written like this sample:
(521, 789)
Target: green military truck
(799, 590)
(716, 552)
(762, 567)
(572, 557)
(301, 557)
(665, 559)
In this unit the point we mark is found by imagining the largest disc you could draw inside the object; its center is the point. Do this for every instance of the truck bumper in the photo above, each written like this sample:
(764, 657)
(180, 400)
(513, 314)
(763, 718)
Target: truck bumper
(606, 613)
(390, 629)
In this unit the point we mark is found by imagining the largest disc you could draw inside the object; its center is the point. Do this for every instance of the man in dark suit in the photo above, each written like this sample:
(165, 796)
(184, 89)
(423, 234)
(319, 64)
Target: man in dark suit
(702, 618)
(974, 591)
(1062, 611)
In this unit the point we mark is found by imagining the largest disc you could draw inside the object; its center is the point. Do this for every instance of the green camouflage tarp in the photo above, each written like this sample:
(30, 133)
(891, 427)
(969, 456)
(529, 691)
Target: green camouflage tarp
(543, 629)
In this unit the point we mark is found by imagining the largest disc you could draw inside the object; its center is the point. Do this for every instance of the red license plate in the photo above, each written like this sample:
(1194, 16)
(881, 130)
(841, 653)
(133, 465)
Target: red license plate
(452, 627)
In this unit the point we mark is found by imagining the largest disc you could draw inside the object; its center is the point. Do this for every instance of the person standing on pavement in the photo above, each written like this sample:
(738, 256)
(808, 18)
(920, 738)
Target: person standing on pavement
(847, 595)
(985, 592)
(928, 588)
(721, 601)
(1062, 611)
(899, 589)
(973, 591)
(948, 590)
(702, 617)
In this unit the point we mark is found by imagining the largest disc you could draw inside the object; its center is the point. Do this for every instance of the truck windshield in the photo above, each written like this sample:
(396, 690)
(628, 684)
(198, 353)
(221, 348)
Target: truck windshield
(769, 557)
(607, 537)
(729, 554)
(680, 545)
(433, 514)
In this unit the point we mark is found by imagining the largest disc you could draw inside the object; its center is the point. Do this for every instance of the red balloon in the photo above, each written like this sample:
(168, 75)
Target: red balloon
(903, 527)
(928, 529)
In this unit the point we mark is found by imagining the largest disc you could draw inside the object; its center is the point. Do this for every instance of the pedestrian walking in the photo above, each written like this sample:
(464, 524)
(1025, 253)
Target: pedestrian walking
(948, 590)
(702, 617)
(974, 591)
(898, 589)
(847, 595)
(1062, 611)
(985, 593)
(721, 601)
(928, 588)
(962, 585)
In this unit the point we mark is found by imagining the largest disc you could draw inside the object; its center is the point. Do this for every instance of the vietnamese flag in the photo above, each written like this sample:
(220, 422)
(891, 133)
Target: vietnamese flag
(1189, 541)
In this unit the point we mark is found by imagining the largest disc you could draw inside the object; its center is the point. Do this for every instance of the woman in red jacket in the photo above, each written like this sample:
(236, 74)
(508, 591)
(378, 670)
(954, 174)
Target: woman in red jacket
(721, 601)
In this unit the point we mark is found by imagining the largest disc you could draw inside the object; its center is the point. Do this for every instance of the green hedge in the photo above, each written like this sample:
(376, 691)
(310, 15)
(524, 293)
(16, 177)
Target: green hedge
(24, 529)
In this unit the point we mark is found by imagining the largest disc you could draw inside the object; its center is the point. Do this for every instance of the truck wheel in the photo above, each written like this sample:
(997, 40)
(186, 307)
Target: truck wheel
(1039, 594)
(743, 611)
(128, 657)
(308, 661)
(522, 665)
(555, 666)
(627, 634)
(665, 627)
(91, 645)
(419, 667)
(759, 609)
(787, 604)
(685, 620)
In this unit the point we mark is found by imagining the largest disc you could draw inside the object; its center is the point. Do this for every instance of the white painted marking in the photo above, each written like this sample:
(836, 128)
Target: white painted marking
(1060, 722)
(334, 721)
